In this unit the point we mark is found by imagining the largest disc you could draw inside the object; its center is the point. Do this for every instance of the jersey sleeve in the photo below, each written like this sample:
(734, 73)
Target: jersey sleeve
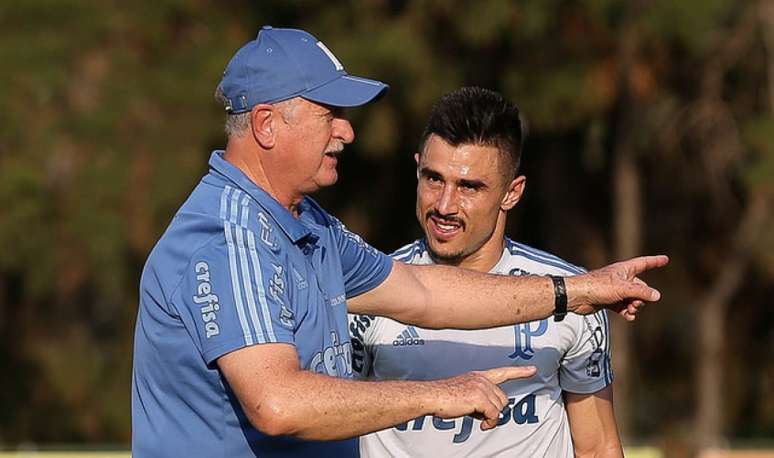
(360, 327)
(364, 267)
(233, 294)
(586, 367)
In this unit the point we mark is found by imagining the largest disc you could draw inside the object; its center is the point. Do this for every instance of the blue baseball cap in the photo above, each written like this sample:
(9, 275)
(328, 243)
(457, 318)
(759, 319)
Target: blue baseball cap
(284, 63)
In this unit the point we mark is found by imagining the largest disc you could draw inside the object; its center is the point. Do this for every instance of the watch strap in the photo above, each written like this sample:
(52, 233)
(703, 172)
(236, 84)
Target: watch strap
(560, 297)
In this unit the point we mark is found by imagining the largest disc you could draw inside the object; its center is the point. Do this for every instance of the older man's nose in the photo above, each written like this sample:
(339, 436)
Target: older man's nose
(342, 130)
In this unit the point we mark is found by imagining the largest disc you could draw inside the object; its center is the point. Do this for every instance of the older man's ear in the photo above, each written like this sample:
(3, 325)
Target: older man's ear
(263, 118)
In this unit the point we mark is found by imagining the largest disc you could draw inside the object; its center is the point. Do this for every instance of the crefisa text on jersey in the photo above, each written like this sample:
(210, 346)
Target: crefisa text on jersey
(520, 412)
(208, 298)
(335, 359)
(356, 329)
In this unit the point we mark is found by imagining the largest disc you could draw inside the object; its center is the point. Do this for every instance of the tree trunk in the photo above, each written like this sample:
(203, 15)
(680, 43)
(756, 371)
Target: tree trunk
(712, 311)
(713, 306)
(627, 214)
(628, 220)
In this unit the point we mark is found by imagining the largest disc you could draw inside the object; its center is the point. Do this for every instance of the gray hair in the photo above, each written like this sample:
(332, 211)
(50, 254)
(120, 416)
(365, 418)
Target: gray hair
(237, 124)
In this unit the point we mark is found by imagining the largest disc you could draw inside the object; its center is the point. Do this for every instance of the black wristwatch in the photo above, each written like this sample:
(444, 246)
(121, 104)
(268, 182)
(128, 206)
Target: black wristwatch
(560, 298)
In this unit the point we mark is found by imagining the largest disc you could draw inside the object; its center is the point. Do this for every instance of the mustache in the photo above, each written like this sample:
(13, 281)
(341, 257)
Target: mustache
(336, 149)
(445, 218)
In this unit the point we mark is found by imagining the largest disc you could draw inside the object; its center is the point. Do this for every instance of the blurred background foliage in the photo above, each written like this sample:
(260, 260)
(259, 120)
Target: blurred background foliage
(651, 131)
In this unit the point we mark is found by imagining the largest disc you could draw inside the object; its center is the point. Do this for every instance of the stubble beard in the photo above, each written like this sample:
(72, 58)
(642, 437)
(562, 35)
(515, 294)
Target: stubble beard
(452, 258)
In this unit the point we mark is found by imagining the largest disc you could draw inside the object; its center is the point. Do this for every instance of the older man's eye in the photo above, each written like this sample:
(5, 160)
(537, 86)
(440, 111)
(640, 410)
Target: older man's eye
(336, 112)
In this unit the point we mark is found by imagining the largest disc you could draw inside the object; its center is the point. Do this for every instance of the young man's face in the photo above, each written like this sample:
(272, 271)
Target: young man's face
(461, 193)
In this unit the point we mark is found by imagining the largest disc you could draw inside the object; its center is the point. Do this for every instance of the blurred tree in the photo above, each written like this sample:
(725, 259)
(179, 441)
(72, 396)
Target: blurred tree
(627, 197)
(106, 122)
(721, 138)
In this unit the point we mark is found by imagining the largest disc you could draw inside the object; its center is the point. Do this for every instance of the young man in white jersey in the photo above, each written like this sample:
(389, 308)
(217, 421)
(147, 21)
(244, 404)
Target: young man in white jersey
(468, 180)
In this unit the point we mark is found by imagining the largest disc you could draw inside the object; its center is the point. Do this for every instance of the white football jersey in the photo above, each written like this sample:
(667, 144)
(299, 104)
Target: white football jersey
(571, 355)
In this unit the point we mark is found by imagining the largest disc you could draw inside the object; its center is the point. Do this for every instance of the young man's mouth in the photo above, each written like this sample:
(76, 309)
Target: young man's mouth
(444, 229)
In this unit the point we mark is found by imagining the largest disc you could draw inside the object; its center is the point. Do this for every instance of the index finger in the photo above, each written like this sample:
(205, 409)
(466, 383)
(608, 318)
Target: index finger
(502, 374)
(643, 263)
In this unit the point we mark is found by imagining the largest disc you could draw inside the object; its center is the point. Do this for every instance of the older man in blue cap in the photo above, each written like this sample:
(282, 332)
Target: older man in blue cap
(241, 345)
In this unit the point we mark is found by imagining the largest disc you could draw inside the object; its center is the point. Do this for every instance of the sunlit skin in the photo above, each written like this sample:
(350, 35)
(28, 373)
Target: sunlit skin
(314, 136)
(292, 149)
(463, 197)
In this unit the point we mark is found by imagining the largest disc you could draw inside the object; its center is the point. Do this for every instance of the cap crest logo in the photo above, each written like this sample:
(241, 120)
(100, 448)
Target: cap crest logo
(330, 55)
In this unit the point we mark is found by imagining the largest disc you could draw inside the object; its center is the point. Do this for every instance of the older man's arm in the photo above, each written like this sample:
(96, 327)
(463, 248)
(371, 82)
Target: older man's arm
(280, 398)
(448, 297)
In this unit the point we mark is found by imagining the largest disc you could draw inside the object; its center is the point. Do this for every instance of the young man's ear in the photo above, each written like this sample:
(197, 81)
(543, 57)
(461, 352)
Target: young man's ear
(262, 118)
(514, 193)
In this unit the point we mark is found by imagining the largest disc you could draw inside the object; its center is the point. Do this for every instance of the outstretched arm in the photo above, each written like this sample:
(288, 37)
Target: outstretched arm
(592, 424)
(280, 398)
(449, 297)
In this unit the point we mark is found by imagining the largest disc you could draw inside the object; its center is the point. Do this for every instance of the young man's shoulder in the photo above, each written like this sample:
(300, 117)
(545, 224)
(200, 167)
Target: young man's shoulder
(526, 260)
(411, 252)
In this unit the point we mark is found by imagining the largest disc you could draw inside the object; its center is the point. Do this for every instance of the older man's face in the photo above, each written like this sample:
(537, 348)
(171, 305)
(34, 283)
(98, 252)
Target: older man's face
(313, 137)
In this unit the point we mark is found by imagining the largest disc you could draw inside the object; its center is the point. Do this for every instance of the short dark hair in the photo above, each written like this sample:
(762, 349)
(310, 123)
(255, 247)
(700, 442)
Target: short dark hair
(473, 115)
